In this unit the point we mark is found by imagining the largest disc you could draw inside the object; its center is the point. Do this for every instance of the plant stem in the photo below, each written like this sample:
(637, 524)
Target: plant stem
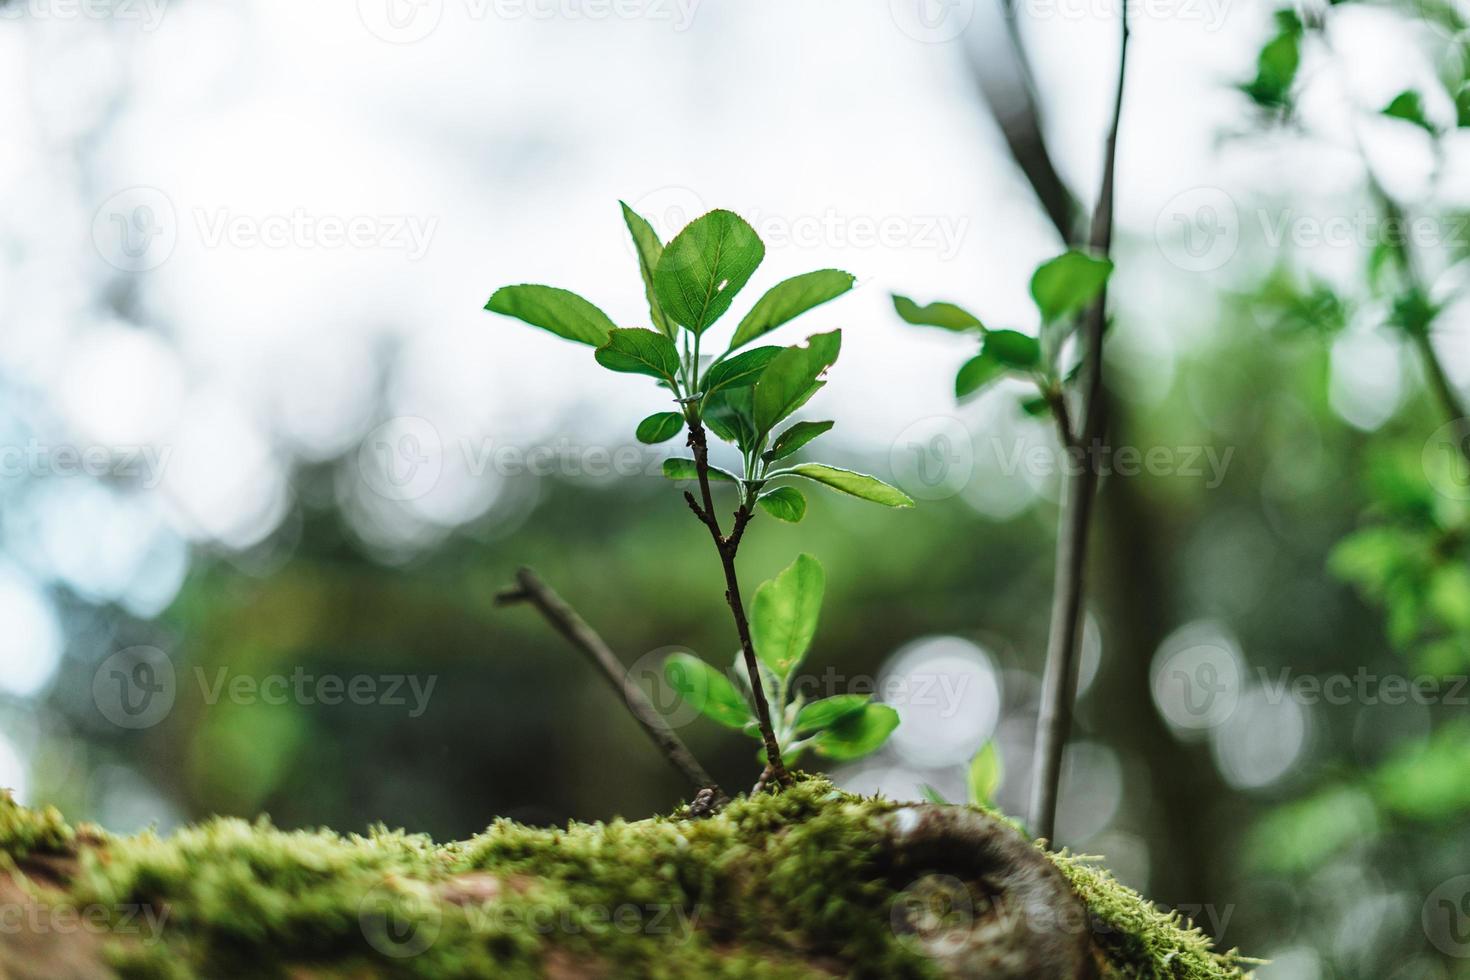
(1439, 381)
(727, 547)
(564, 619)
(1444, 392)
(1059, 684)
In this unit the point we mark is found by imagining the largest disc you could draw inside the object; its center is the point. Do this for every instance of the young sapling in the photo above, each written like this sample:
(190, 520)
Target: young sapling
(742, 396)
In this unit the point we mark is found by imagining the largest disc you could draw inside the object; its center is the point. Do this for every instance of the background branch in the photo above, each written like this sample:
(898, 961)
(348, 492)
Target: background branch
(564, 619)
(1059, 683)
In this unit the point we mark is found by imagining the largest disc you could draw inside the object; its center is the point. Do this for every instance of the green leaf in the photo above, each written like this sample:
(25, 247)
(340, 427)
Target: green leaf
(727, 412)
(985, 772)
(660, 427)
(1276, 67)
(828, 711)
(562, 312)
(858, 734)
(683, 468)
(847, 481)
(1036, 406)
(1012, 349)
(976, 373)
(740, 371)
(1462, 105)
(783, 615)
(791, 378)
(650, 249)
(784, 504)
(634, 350)
(707, 690)
(1068, 283)
(932, 795)
(1409, 106)
(787, 300)
(798, 435)
(703, 268)
(945, 315)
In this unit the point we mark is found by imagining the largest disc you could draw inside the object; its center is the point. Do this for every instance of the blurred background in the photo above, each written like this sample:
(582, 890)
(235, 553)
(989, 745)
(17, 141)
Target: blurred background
(264, 460)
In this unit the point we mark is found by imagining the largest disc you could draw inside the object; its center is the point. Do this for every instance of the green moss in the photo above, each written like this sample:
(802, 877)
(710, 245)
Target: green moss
(787, 885)
(1140, 940)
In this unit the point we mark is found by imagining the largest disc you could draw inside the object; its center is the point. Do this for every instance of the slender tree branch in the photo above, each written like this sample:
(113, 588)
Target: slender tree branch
(564, 619)
(1439, 381)
(727, 546)
(1059, 683)
(1449, 400)
(1007, 87)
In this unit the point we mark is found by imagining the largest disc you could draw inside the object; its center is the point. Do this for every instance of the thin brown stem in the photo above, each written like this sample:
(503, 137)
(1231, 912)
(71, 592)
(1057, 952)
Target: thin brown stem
(727, 547)
(564, 619)
(1059, 683)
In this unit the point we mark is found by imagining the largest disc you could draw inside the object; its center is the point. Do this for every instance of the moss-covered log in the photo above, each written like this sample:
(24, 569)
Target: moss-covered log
(808, 882)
